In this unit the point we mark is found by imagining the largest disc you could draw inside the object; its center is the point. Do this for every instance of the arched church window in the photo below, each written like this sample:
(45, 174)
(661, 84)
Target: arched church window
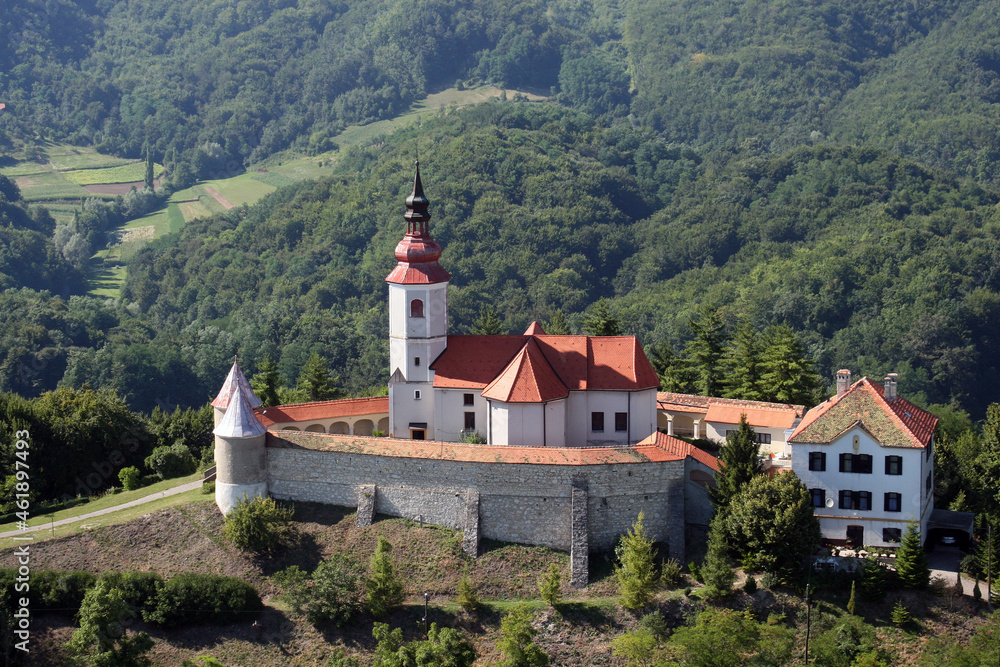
(416, 308)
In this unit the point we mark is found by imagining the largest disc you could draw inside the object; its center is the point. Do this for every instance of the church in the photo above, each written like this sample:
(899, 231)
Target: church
(531, 438)
(531, 390)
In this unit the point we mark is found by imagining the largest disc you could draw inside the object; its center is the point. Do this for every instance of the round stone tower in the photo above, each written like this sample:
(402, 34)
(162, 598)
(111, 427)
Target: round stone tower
(240, 458)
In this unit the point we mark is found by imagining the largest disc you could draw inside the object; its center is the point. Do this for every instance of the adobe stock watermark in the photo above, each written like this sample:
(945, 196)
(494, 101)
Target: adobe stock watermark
(22, 489)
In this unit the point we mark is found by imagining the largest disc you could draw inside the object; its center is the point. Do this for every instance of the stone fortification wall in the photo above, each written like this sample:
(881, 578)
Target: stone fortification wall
(525, 495)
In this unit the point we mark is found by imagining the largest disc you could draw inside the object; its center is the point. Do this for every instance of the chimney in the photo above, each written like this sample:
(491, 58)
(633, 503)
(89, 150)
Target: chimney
(843, 381)
(891, 380)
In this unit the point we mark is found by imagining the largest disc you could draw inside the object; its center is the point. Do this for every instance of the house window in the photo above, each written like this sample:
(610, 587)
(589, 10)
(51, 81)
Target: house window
(621, 421)
(470, 421)
(818, 497)
(416, 361)
(597, 421)
(416, 394)
(416, 308)
(893, 502)
(760, 438)
(855, 463)
(894, 465)
(855, 500)
(468, 399)
(817, 461)
(892, 534)
(929, 482)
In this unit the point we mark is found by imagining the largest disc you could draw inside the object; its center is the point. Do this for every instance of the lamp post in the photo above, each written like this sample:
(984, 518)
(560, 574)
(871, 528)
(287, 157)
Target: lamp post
(427, 597)
(808, 624)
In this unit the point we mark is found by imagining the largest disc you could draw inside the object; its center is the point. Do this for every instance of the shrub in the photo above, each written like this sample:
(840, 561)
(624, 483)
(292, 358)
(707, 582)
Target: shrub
(694, 570)
(130, 478)
(443, 646)
(170, 462)
(466, 597)
(338, 659)
(655, 624)
(208, 488)
(101, 638)
(516, 634)
(52, 589)
(637, 647)
(203, 598)
(750, 585)
(385, 590)
(335, 594)
(670, 573)
(770, 580)
(259, 525)
(549, 585)
(139, 589)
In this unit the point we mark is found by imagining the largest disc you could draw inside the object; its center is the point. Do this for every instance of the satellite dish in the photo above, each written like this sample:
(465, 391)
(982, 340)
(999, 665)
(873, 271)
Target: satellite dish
(829, 502)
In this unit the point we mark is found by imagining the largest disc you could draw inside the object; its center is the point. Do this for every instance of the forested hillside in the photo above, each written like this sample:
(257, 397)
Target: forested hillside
(831, 166)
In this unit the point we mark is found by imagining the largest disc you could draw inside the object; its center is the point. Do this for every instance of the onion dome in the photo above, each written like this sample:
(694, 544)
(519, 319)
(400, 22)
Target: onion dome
(417, 254)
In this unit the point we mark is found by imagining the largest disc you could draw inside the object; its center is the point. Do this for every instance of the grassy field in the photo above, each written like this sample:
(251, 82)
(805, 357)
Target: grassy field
(126, 173)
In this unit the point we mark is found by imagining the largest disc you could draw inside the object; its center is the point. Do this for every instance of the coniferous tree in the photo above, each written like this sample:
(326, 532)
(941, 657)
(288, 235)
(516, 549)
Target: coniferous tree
(516, 635)
(316, 381)
(704, 352)
(266, 381)
(636, 570)
(599, 321)
(741, 365)
(675, 374)
(488, 323)
(873, 580)
(717, 570)
(740, 462)
(557, 325)
(549, 585)
(384, 589)
(852, 602)
(149, 168)
(786, 373)
(102, 638)
(911, 561)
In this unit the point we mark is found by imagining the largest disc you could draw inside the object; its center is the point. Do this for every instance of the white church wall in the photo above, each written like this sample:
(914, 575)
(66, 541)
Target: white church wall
(450, 412)
(555, 423)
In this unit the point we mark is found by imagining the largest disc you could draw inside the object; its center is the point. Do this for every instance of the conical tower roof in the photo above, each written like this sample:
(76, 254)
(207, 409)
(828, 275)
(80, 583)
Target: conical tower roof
(417, 254)
(240, 421)
(234, 379)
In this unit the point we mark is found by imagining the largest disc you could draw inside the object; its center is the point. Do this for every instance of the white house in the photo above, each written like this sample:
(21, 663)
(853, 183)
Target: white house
(531, 390)
(867, 457)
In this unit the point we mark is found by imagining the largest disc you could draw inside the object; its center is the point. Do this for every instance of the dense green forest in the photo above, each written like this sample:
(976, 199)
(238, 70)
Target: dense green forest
(826, 166)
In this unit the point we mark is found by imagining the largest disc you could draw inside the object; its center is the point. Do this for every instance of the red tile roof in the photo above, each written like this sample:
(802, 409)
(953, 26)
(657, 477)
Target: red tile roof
(528, 378)
(345, 407)
(694, 403)
(454, 451)
(896, 423)
(758, 417)
(579, 362)
(677, 447)
(534, 329)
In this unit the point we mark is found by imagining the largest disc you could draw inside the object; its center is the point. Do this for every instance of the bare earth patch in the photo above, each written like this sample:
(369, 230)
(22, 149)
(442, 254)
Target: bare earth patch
(146, 233)
(218, 197)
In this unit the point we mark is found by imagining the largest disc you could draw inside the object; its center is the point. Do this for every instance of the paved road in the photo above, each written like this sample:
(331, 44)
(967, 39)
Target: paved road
(108, 510)
(944, 560)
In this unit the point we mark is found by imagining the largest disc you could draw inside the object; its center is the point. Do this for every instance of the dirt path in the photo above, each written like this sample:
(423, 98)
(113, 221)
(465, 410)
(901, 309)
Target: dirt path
(190, 486)
(219, 198)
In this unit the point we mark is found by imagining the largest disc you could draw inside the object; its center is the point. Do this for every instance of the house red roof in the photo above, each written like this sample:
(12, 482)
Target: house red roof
(345, 407)
(579, 363)
(677, 447)
(896, 423)
(757, 417)
(456, 451)
(528, 378)
(534, 329)
(761, 410)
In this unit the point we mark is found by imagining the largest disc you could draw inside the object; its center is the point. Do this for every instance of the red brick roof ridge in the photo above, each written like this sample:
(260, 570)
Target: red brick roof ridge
(429, 449)
(681, 448)
(266, 414)
(706, 401)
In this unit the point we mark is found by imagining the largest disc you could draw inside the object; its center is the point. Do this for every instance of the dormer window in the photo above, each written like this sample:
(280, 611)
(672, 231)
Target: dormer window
(416, 308)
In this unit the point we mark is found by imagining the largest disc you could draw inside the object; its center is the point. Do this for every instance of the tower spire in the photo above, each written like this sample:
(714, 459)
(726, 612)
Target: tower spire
(417, 254)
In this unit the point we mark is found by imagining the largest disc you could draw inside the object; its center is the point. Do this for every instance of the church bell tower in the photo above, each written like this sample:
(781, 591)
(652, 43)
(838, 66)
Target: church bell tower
(418, 321)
